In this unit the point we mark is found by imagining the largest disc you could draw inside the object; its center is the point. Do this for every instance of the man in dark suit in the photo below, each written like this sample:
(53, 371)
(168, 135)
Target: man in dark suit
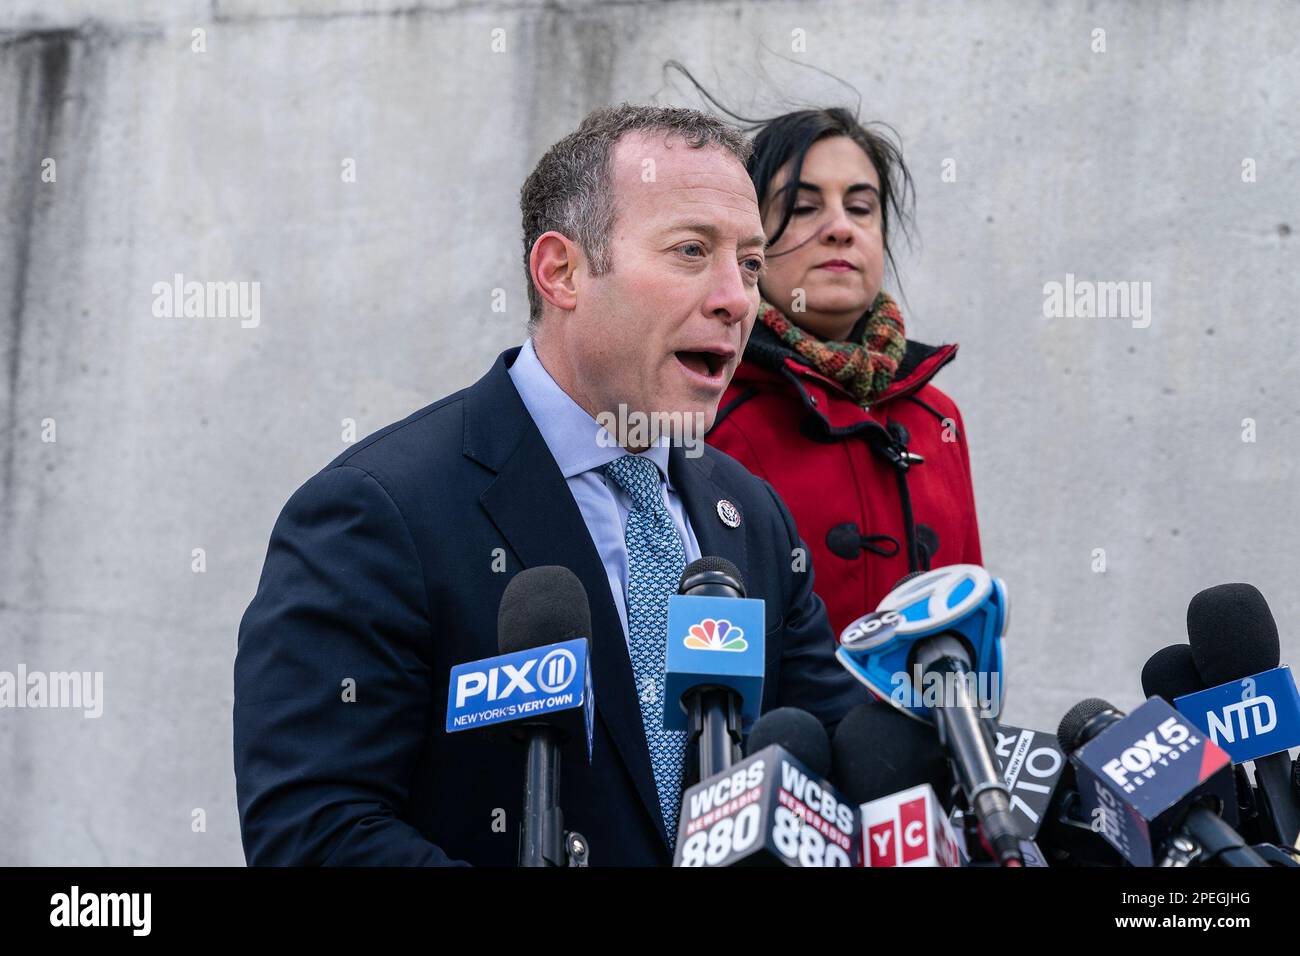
(643, 244)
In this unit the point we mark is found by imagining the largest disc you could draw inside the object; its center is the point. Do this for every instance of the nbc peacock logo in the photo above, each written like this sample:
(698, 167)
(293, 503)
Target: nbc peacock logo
(711, 635)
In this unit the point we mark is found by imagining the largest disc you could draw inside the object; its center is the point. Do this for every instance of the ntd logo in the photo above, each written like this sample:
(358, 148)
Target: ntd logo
(1147, 753)
(555, 672)
(1249, 718)
(1257, 714)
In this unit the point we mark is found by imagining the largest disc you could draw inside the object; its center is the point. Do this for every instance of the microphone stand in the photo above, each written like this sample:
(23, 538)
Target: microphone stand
(543, 841)
(715, 729)
(1205, 837)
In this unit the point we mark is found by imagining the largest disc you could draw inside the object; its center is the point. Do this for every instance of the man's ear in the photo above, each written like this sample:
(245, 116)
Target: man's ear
(552, 264)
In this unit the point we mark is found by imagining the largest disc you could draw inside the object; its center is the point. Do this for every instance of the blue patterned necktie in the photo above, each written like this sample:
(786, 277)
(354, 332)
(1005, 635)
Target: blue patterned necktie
(655, 561)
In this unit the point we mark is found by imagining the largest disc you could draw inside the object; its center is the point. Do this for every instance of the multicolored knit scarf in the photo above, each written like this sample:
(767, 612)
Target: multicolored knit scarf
(865, 364)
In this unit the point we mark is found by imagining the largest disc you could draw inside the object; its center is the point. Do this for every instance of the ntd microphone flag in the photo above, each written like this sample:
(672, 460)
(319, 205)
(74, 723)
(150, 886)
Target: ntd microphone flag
(908, 828)
(1249, 718)
(713, 641)
(551, 683)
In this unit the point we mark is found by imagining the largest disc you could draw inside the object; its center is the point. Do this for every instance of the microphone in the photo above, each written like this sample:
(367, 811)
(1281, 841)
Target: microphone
(1232, 633)
(946, 627)
(774, 807)
(540, 685)
(1252, 708)
(891, 767)
(1060, 828)
(1037, 774)
(1170, 673)
(1152, 785)
(713, 675)
(799, 732)
(877, 751)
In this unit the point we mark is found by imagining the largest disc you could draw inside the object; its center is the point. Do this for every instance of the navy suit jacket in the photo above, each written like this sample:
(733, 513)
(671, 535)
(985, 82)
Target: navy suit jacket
(380, 571)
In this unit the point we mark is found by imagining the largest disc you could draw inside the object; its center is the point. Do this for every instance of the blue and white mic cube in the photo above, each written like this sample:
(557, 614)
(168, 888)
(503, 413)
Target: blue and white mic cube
(1249, 718)
(963, 599)
(716, 641)
(551, 683)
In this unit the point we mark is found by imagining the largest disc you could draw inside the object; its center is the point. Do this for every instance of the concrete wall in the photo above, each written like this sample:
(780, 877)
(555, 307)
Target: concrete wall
(174, 434)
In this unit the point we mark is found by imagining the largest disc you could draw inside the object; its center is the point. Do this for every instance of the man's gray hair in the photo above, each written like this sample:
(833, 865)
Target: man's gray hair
(571, 191)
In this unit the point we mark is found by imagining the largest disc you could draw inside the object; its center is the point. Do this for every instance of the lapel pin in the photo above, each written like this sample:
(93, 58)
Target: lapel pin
(728, 513)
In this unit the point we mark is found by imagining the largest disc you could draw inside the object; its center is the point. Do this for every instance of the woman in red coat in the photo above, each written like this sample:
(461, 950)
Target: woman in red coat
(833, 405)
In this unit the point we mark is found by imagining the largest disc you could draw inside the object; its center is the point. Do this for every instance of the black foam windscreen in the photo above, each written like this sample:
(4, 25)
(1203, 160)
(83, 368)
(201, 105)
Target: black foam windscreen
(877, 751)
(1232, 633)
(1171, 672)
(798, 732)
(1070, 732)
(542, 605)
(710, 569)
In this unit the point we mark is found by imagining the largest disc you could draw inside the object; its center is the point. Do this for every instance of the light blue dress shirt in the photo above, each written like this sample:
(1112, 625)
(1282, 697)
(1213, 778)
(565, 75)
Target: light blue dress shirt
(572, 437)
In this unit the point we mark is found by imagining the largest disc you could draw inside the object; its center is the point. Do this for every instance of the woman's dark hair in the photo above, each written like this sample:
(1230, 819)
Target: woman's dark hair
(787, 139)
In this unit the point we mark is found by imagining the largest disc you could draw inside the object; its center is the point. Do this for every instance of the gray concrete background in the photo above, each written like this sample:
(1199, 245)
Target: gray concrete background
(176, 434)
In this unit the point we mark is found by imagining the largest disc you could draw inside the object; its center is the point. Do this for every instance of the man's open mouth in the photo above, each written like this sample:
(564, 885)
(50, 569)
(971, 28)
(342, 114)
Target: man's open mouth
(707, 364)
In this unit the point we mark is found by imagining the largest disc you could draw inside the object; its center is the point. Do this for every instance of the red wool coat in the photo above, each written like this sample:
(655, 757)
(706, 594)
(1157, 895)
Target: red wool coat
(875, 493)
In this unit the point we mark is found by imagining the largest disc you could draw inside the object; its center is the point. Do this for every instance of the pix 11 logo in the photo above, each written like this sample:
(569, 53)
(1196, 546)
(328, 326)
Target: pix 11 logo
(713, 635)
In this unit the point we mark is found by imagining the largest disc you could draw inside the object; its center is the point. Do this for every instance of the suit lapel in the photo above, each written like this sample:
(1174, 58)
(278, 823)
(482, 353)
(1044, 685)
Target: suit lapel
(531, 505)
